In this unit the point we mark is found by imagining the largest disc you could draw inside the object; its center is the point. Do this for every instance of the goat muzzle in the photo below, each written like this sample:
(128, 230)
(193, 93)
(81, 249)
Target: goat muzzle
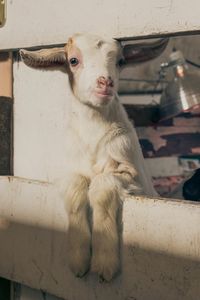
(103, 82)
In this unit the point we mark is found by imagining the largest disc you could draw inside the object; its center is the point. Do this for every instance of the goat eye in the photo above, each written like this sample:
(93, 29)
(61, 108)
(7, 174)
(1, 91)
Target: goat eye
(74, 61)
(120, 62)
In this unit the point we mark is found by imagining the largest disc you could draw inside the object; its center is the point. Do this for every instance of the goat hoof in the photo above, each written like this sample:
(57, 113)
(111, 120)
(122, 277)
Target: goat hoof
(82, 274)
(79, 267)
(106, 269)
(102, 279)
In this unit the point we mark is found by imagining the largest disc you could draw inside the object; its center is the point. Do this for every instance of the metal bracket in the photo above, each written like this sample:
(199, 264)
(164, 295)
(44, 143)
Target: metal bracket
(2, 12)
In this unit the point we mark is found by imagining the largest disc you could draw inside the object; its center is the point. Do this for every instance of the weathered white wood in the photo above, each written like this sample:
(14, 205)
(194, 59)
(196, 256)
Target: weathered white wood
(40, 122)
(33, 23)
(160, 246)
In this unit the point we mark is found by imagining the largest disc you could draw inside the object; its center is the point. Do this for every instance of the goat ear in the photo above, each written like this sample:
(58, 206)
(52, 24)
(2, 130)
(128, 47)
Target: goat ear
(44, 58)
(141, 52)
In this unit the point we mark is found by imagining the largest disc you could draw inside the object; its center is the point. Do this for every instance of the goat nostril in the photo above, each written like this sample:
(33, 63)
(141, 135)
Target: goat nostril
(110, 83)
(102, 81)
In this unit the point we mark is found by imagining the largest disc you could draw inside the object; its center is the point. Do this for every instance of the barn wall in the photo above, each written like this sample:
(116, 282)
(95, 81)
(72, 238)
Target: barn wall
(40, 122)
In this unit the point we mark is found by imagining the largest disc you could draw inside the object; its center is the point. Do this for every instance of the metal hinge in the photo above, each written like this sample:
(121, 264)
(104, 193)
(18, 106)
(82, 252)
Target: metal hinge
(2, 12)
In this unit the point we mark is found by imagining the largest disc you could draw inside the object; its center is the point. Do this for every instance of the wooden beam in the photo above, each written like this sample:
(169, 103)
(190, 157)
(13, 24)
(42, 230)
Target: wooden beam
(160, 246)
(122, 20)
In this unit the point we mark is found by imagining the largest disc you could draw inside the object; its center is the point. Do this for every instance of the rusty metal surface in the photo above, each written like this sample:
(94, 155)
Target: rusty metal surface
(6, 108)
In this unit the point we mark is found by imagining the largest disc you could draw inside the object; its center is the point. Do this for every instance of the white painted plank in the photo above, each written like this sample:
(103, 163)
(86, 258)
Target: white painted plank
(40, 122)
(32, 23)
(160, 248)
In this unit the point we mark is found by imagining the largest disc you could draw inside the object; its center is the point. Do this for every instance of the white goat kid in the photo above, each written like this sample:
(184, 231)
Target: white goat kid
(104, 154)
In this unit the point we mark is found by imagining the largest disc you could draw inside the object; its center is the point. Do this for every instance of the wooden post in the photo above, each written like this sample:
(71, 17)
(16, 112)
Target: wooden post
(6, 113)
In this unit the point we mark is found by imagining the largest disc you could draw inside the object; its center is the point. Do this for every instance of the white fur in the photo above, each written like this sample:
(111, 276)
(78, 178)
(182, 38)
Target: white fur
(105, 161)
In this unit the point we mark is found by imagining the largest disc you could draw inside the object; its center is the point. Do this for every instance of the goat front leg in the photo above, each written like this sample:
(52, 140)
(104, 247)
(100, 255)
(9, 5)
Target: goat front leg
(105, 202)
(79, 235)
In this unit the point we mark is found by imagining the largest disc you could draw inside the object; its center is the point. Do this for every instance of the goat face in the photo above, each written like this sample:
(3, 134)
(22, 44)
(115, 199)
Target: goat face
(93, 64)
(93, 68)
